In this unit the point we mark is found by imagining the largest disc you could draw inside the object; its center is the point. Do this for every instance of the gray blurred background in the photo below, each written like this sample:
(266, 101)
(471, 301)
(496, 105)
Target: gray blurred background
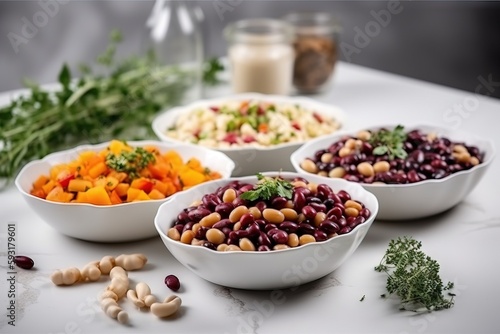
(445, 42)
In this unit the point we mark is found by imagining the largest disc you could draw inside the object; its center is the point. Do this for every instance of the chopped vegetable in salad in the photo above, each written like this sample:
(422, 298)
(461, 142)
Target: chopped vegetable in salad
(251, 123)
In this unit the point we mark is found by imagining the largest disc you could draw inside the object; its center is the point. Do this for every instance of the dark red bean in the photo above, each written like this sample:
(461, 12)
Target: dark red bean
(263, 239)
(272, 231)
(246, 219)
(342, 222)
(238, 202)
(226, 231)
(334, 214)
(222, 223)
(320, 235)
(172, 282)
(329, 227)
(289, 227)
(299, 200)
(309, 212)
(344, 230)
(318, 207)
(268, 227)
(324, 190)
(224, 209)
(196, 214)
(183, 217)
(280, 237)
(23, 262)
(365, 212)
(356, 221)
(179, 227)
(187, 226)
(253, 229)
(210, 201)
(209, 245)
(305, 228)
(263, 248)
(413, 176)
(344, 196)
(279, 203)
(246, 188)
(261, 205)
(201, 233)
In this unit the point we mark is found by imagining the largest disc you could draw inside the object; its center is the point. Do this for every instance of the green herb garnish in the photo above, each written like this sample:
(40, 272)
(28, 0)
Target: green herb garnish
(389, 142)
(130, 162)
(269, 187)
(211, 69)
(414, 276)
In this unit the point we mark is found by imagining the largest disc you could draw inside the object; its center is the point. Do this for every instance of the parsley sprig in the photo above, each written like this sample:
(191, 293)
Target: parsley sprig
(389, 142)
(414, 276)
(130, 162)
(269, 187)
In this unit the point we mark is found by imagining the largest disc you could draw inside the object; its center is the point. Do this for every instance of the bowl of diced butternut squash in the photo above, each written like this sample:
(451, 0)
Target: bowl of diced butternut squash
(110, 192)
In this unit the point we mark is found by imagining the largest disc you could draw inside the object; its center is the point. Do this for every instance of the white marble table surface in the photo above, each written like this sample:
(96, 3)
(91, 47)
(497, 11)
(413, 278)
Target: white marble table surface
(465, 240)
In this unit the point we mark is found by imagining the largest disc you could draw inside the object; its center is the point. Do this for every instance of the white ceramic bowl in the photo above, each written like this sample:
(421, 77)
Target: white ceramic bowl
(420, 199)
(250, 160)
(111, 223)
(264, 270)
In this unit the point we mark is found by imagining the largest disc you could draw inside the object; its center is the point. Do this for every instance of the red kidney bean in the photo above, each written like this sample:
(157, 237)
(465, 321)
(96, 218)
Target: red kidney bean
(340, 206)
(187, 226)
(263, 248)
(198, 213)
(183, 217)
(299, 200)
(344, 230)
(279, 202)
(365, 212)
(238, 201)
(261, 205)
(329, 226)
(221, 224)
(439, 164)
(263, 239)
(289, 226)
(246, 219)
(224, 209)
(324, 191)
(246, 188)
(269, 227)
(23, 262)
(226, 231)
(335, 213)
(320, 235)
(343, 195)
(210, 201)
(270, 232)
(413, 176)
(280, 237)
(309, 212)
(253, 229)
(179, 227)
(319, 207)
(209, 245)
(201, 232)
(305, 228)
(172, 282)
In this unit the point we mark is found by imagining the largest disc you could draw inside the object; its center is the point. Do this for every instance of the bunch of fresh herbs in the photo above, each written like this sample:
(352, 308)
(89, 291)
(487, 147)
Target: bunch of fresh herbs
(92, 108)
(414, 276)
(269, 187)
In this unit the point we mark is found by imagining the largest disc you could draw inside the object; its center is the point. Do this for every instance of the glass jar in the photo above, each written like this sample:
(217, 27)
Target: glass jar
(176, 40)
(315, 43)
(260, 55)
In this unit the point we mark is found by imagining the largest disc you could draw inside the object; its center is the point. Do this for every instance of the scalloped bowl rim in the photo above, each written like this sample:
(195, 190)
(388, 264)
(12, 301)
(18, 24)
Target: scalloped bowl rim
(196, 189)
(489, 148)
(171, 115)
(96, 147)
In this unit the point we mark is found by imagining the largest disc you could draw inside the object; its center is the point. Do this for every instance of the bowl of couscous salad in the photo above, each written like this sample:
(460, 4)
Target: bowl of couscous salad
(258, 132)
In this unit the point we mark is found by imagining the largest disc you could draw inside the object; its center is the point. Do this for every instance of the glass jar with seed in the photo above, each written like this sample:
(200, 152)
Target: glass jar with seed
(316, 38)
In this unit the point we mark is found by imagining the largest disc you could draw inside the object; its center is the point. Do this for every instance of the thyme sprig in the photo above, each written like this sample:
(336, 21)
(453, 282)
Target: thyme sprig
(414, 276)
(130, 162)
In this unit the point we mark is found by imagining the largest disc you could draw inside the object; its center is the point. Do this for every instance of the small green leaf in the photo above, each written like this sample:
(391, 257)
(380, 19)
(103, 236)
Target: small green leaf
(380, 150)
(65, 76)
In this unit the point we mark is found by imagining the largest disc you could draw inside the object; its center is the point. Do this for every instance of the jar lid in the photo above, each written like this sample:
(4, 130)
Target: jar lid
(313, 23)
(259, 31)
